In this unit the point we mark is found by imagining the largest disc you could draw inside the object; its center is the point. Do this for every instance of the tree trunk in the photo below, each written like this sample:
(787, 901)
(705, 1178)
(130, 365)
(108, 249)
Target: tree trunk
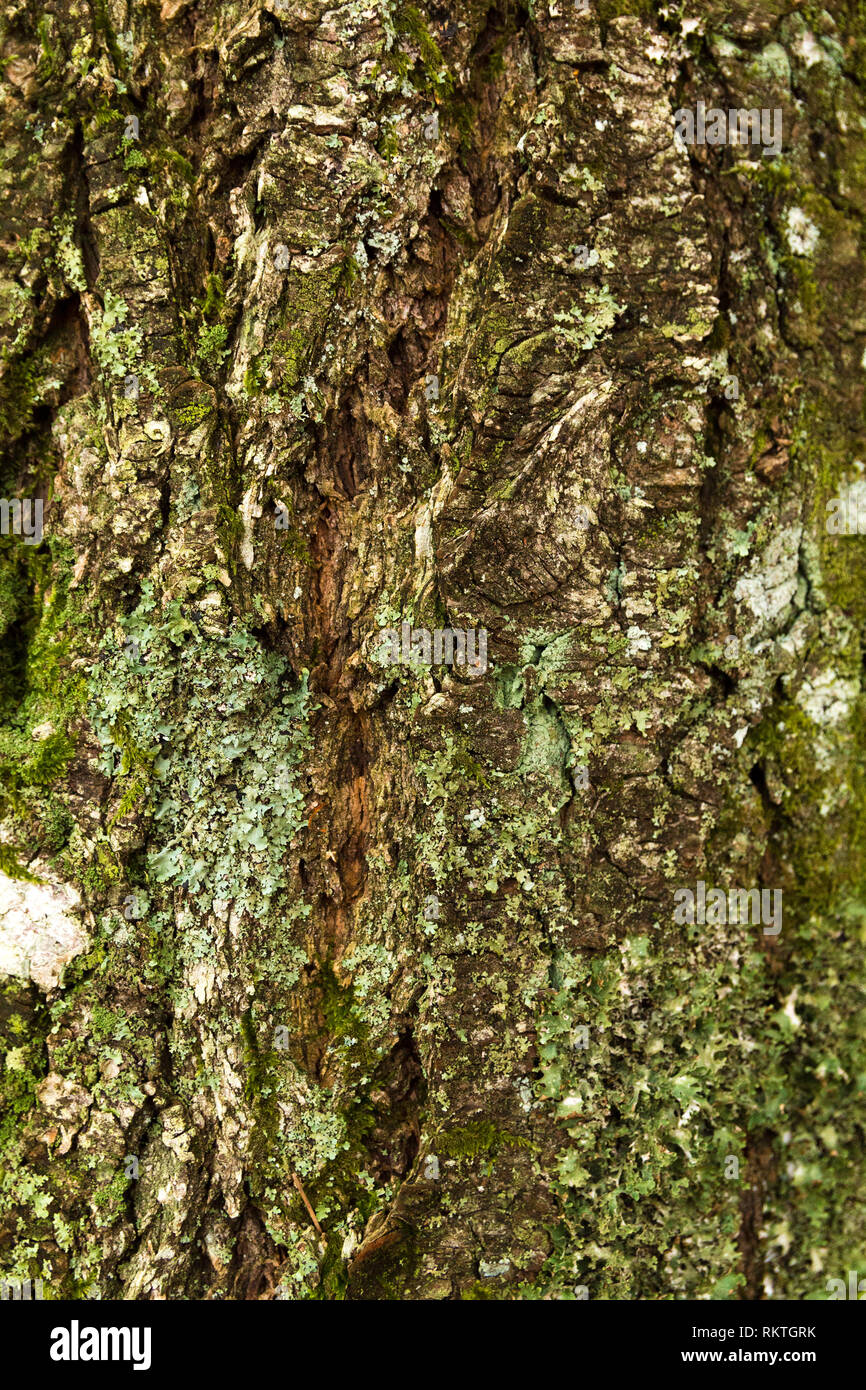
(336, 969)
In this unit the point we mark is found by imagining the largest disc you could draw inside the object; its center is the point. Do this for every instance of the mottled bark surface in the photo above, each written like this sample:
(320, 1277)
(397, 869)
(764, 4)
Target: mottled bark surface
(397, 945)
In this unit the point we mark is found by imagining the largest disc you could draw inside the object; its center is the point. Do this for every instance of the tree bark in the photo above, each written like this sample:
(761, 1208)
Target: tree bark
(333, 977)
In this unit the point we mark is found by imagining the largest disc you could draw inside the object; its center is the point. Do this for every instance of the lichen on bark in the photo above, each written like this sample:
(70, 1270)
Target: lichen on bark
(320, 319)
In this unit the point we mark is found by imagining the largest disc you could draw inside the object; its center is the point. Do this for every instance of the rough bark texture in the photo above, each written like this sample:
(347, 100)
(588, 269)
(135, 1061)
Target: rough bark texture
(346, 924)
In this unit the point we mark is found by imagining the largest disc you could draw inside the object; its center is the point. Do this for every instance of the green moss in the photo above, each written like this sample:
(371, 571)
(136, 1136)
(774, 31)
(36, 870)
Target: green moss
(28, 378)
(429, 73)
(480, 1137)
(261, 1072)
(41, 694)
(296, 347)
(133, 157)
